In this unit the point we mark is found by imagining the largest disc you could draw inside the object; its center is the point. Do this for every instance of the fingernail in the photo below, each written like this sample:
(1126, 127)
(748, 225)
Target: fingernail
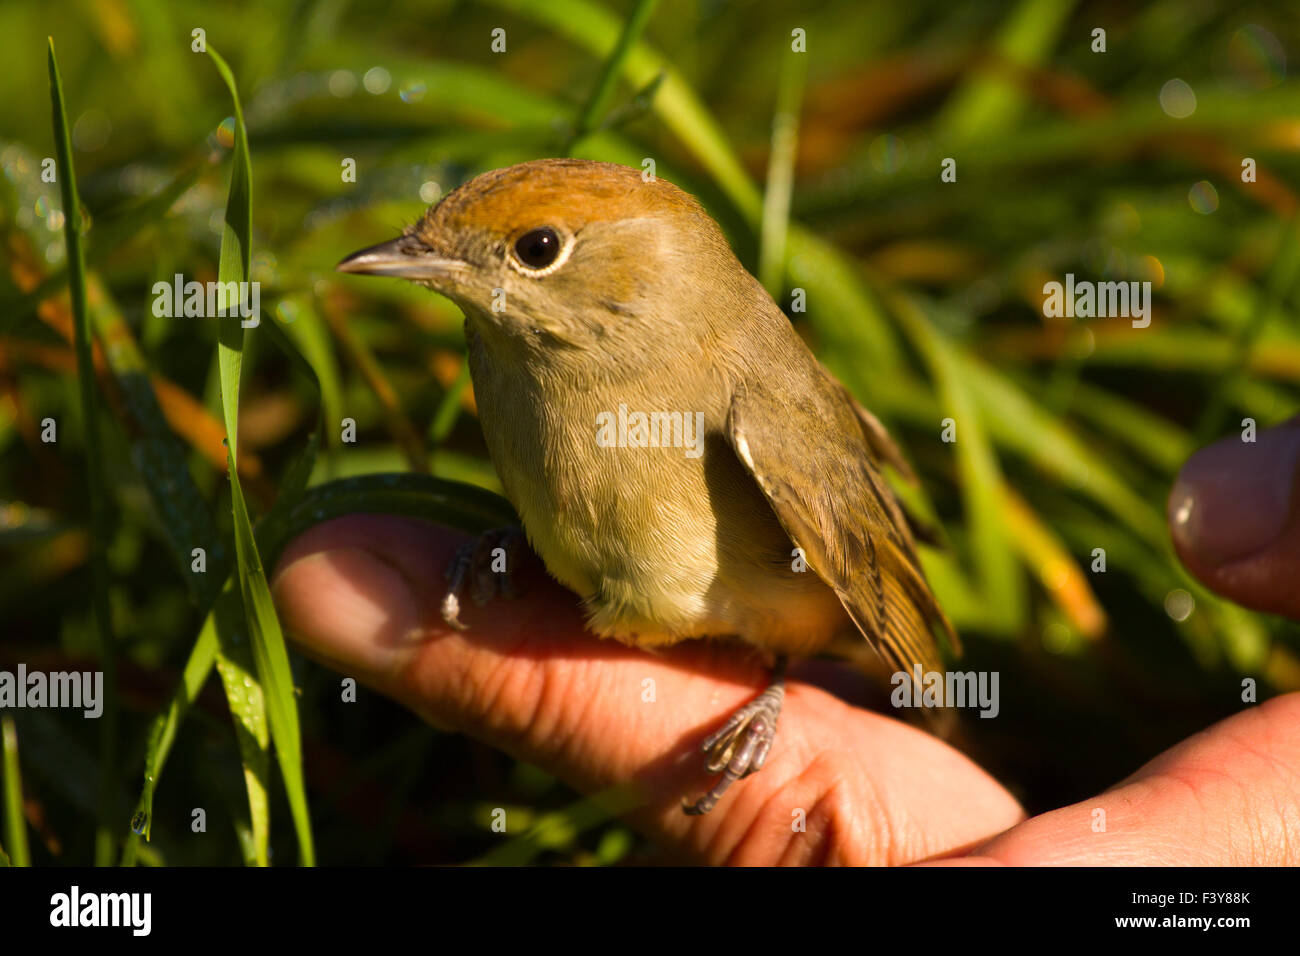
(1233, 498)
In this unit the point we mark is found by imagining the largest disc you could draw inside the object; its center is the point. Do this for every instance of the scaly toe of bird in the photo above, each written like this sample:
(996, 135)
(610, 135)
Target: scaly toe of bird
(741, 746)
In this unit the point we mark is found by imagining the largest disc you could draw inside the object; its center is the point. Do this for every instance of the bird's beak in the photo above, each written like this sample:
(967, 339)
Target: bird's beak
(403, 257)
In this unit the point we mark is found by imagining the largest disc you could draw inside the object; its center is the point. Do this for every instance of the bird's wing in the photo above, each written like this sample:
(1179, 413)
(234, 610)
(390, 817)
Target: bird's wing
(816, 457)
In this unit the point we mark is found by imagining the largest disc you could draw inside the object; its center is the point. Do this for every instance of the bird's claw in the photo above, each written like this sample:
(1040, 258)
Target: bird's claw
(477, 565)
(740, 747)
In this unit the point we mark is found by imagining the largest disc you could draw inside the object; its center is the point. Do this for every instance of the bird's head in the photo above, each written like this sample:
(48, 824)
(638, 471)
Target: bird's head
(567, 252)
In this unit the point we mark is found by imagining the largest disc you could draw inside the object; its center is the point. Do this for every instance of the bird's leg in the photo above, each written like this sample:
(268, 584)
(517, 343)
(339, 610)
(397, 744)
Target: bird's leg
(741, 746)
(486, 567)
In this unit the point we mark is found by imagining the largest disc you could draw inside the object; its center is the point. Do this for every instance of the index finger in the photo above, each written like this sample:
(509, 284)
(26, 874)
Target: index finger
(362, 594)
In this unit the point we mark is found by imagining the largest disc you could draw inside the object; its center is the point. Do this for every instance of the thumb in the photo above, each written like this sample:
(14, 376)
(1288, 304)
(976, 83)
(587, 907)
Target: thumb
(1234, 514)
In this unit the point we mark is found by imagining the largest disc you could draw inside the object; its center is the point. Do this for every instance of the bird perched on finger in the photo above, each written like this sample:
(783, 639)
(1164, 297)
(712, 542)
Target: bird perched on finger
(676, 454)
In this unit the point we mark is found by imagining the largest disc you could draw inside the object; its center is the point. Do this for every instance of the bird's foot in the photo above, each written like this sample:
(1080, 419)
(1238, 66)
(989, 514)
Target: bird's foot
(485, 568)
(741, 746)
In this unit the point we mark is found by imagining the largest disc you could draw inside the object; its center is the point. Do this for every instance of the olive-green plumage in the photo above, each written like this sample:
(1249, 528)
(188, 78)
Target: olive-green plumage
(645, 306)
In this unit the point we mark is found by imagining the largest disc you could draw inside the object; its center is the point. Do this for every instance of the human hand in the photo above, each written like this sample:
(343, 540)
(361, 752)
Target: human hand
(361, 594)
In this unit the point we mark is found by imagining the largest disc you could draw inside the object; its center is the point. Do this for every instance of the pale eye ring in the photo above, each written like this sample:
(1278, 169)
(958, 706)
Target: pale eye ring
(539, 252)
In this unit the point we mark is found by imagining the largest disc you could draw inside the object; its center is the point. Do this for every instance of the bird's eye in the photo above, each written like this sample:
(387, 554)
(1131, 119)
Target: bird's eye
(539, 248)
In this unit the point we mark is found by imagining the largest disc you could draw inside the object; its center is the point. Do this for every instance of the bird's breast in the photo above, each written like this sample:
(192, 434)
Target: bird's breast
(635, 501)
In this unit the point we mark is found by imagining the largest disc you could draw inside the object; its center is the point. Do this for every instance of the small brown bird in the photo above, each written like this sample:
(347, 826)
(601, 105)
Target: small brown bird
(678, 456)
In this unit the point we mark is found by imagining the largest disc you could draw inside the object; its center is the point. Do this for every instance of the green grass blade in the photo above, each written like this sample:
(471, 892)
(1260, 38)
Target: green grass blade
(451, 503)
(94, 464)
(269, 653)
(235, 265)
(295, 478)
(159, 457)
(597, 30)
(990, 102)
(15, 825)
(1281, 282)
(1148, 435)
(309, 333)
(780, 172)
(448, 411)
(248, 707)
(558, 829)
(271, 658)
(598, 101)
(1019, 424)
(978, 472)
(837, 298)
(396, 420)
(163, 732)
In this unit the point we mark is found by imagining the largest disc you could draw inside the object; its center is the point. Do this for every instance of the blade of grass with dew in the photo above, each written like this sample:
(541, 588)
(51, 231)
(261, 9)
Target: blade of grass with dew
(206, 649)
(269, 652)
(598, 101)
(248, 708)
(184, 415)
(205, 653)
(15, 825)
(780, 172)
(162, 734)
(271, 659)
(104, 851)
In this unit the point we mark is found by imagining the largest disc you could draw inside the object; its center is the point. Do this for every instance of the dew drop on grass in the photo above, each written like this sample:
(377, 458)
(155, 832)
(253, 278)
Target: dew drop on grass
(138, 823)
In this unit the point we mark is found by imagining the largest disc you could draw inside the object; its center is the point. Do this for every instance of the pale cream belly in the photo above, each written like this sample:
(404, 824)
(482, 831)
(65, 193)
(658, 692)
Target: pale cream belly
(663, 548)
